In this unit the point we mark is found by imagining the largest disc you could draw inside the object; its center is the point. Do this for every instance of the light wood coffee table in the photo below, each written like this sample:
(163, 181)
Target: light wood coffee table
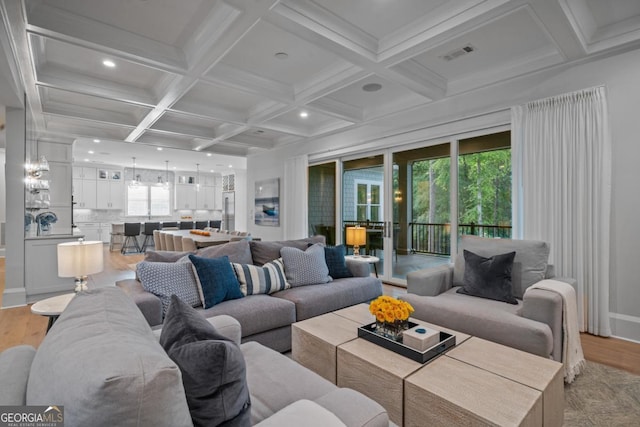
(476, 382)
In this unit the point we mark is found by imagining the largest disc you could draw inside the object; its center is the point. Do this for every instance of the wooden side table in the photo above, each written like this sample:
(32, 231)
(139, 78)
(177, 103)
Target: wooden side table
(369, 259)
(52, 307)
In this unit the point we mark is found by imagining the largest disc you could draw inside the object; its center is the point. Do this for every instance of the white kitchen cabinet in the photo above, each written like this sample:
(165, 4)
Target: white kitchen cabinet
(185, 196)
(90, 230)
(217, 197)
(84, 194)
(59, 180)
(205, 198)
(110, 194)
(84, 172)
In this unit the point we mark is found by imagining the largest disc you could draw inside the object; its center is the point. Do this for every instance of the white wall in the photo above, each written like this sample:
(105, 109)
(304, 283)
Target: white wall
(489, 107)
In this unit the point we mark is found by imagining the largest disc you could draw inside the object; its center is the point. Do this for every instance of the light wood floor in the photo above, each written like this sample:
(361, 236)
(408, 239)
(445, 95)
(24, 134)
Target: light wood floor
(19, 326)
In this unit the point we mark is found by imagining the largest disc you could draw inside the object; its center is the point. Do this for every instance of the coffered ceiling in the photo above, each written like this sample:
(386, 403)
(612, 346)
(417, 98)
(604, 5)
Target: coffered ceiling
(232, 77)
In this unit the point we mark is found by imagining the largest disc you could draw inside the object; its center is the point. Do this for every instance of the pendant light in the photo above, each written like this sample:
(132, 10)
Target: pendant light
(197, 176)
(166, 174)
(134, 180)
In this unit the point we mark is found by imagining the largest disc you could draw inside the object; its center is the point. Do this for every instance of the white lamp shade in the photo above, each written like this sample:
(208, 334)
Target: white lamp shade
(356, 236)
(76, 259)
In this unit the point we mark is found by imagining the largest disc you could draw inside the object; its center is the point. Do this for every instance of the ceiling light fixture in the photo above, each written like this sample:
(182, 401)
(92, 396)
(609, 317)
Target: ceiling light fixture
(209, 154)
(109, 63)
(304, 114)
(159, 148)
(97, 141)
(134, 180)
(90, 151)
(372, 87)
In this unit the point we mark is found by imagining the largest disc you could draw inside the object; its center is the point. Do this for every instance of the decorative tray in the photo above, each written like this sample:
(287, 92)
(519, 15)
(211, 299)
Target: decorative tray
(446, 342)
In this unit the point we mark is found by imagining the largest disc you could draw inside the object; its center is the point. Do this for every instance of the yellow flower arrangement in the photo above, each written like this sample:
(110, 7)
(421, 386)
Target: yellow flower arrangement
(389, 310)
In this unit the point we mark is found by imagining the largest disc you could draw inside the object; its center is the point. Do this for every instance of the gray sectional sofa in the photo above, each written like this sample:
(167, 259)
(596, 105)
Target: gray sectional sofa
(104, 364)
(267, 319)
(533, 324)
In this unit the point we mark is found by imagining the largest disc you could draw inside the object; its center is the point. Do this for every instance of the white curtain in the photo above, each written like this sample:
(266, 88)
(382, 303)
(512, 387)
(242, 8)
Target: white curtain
(562, 186)
(295, 219)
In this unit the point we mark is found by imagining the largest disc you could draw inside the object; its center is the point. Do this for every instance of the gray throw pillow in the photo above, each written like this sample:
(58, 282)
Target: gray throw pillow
(263, 252)
(164, 279)
(239, 252)
(488, 277)
(213, 368)
(164, 256)
(305, 267)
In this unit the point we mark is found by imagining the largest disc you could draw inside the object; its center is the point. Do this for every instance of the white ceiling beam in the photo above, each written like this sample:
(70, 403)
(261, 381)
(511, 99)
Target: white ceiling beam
(338, 109)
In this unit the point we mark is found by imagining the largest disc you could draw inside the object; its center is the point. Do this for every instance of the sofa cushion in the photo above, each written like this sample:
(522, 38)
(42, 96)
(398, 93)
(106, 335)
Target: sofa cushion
(262, 252)
(311, 301)
(529, 264)
(164, 279)
(216, 280)
(238, 252)
(15, 364)
(336, 262)
(305, 267)
(488, 277)
(103, 343)
(212, 366)
(276, 381)
(267, 279)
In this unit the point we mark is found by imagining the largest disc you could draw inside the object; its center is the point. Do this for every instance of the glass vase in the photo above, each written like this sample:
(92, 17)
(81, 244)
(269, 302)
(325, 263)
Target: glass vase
(392, 330)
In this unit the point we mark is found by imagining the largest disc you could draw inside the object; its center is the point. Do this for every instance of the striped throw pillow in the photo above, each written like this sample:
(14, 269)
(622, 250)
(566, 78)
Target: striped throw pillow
(267, 279)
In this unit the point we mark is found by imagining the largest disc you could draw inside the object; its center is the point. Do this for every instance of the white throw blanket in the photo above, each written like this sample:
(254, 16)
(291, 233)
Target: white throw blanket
(572, 356)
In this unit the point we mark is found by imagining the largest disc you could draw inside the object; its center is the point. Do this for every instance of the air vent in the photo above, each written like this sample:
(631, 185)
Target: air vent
(457, 53)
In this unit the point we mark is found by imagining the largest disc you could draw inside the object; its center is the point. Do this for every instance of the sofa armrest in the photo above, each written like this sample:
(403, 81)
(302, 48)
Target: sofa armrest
(359, 269)
(15, 365)
(302, 412)
(354, 409)
(430, 282)
(149, 304)
(545, 307)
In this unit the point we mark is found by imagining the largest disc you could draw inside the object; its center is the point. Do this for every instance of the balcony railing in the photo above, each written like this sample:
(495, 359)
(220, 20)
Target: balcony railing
(429, 238)
(435, 238)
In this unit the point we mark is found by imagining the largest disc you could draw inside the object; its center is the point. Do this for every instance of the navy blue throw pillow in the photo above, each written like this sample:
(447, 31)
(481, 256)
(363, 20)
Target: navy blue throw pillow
(334, 256)
(217, 280)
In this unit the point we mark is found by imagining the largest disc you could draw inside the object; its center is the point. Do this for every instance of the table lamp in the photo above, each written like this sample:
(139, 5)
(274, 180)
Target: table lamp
(356, 236)
(79, 259)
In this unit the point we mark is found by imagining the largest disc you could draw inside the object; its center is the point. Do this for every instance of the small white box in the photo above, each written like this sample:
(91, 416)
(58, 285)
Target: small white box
(420, 337)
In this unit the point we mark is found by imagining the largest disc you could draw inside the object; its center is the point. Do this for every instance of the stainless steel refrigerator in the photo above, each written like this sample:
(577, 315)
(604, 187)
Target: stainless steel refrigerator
(228, 210)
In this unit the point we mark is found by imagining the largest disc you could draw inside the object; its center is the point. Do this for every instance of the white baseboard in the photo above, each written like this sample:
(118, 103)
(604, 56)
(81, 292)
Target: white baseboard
(625, 327)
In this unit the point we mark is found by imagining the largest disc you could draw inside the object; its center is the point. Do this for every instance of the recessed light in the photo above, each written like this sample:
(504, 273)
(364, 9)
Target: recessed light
(209, 154)
(372, 87)
(90, 151)
(159, 148)
(174, 168)
(86, 160)
(281, 55)
(212, 171)
(109, 63)
(97, 141)
(304, 114)
(230, 166)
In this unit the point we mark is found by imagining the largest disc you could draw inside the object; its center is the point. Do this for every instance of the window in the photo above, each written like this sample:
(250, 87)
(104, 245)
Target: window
(368, 200)
(152, 200)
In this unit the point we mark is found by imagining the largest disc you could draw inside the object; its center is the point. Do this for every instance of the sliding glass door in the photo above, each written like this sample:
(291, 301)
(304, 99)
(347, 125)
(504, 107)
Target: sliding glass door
(415, 202)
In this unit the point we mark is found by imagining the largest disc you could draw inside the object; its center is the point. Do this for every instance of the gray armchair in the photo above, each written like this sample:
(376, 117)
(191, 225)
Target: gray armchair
(533, 325)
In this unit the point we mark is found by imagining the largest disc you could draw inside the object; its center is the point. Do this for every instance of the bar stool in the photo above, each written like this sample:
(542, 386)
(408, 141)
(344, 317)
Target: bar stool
(201, 225)
(158, 240)
(186, 225)
(169, 225)
(131, 233)
(149, 228)
(117, 235)
(215, 223)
